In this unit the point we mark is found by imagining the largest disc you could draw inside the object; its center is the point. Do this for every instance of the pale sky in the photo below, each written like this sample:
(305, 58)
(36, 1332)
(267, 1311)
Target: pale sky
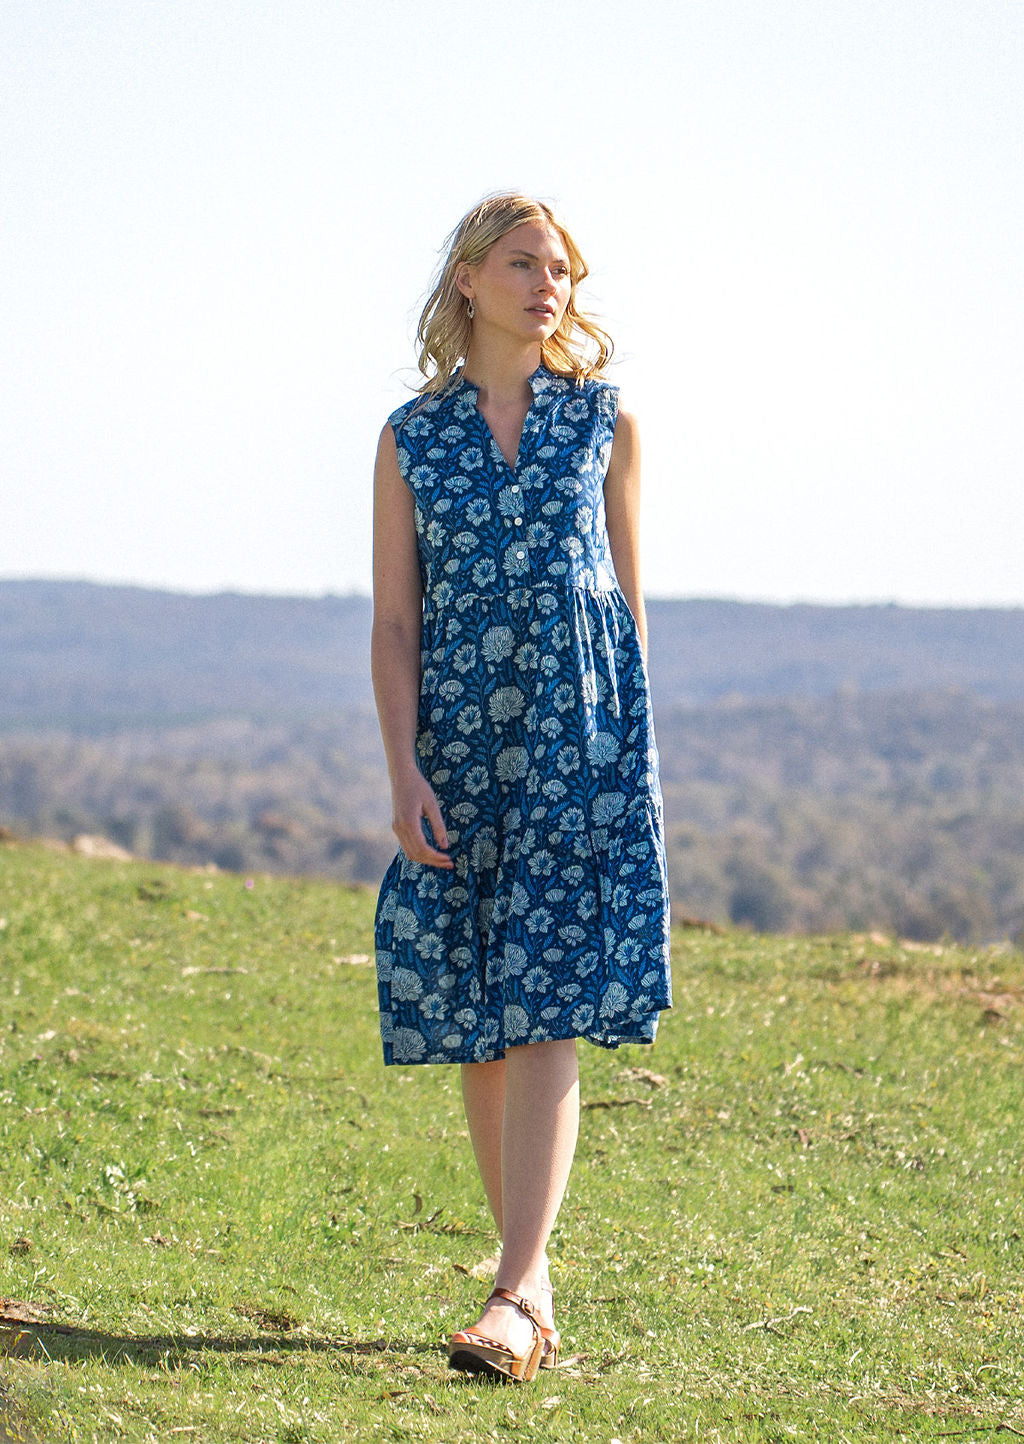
(803, 220)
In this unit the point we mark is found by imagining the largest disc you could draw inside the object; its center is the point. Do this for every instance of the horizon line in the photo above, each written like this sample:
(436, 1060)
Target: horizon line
(228, 590)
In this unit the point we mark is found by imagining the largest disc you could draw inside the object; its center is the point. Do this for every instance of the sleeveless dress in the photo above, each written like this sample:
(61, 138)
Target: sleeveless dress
(535, 732)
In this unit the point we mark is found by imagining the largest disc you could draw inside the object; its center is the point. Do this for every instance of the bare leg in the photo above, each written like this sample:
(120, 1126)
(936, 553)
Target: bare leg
(483, 1097)
(526, 1180)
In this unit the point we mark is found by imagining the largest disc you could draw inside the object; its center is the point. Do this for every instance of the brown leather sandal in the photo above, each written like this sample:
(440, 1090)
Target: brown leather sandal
(552, 1343)
(476, 1354)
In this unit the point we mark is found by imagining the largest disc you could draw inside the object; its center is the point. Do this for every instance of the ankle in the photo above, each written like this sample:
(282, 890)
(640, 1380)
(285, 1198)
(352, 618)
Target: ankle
(527, 1286)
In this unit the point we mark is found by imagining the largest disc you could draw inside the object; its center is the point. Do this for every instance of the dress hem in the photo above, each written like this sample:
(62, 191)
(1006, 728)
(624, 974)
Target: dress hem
(495, 1055)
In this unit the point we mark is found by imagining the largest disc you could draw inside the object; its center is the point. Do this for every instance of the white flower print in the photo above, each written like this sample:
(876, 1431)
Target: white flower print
(517, 1022)
(510, 501)
(615, 1000)
(407, 1046)
(542, 863)
(485, 572)
(586, 908)
(510, 763)
(505, 704)
(483, 852)
(527, 657)
(602, 749)
(444, 594)
(606, 807)
(498, 643)
(406, 924)
(470, 718)
(567, 760)
(478, 779)
(583, 1018)
(586, 964)
(516, 560)
(406, 985)
(540, 919)
(519, 900)
(516, 959)
(429, 945)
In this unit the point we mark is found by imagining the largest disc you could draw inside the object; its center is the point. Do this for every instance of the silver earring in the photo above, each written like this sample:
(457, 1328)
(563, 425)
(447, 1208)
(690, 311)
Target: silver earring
(471, 311)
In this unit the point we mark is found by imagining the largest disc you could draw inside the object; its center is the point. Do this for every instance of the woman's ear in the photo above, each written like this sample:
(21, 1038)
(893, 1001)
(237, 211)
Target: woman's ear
(463, 280)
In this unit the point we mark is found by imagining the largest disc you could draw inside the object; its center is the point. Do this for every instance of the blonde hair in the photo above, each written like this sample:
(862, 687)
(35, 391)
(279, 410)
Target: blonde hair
(579, 348)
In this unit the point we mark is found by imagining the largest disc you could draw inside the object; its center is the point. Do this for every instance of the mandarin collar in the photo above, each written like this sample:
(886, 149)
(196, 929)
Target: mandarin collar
(541, 380)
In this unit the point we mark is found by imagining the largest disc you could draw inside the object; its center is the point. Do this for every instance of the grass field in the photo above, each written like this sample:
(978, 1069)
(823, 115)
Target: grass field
(800, 1216)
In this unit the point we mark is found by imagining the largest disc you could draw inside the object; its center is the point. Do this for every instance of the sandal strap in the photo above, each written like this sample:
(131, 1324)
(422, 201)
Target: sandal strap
(470, 1336)
(524, 1305)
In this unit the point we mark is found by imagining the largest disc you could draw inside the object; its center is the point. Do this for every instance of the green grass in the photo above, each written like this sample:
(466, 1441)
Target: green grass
(798, 1217)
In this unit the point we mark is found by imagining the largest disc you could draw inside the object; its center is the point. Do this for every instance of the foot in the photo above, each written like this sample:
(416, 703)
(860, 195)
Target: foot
(506, 1325)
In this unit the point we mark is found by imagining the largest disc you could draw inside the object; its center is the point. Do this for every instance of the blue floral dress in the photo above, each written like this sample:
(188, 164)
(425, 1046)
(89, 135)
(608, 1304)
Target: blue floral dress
(535, 732)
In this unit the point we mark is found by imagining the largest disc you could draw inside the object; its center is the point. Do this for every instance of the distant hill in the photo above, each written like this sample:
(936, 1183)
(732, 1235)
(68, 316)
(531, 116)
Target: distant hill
(824, 768)
(83, 657)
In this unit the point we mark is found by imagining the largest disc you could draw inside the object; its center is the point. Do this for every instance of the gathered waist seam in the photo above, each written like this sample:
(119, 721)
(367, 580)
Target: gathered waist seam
(463, 598)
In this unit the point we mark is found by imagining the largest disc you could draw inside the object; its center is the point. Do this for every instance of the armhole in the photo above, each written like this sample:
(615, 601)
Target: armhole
(396, 421)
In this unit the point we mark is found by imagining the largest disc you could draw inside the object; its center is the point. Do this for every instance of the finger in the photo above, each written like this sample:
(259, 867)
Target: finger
(436, 821)
(417, 848)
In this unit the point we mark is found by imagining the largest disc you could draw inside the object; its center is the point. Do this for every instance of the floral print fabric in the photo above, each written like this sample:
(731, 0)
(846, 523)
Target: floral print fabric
(535, 733)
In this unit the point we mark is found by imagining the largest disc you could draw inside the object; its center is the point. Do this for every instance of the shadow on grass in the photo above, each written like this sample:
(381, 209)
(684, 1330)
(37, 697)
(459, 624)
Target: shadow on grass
(66, 1344)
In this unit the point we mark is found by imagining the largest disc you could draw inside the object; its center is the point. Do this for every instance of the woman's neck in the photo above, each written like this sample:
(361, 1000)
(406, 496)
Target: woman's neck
(500, 374)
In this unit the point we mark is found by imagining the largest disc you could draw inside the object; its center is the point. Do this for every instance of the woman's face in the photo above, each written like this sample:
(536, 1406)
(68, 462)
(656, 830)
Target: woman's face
(522, 285)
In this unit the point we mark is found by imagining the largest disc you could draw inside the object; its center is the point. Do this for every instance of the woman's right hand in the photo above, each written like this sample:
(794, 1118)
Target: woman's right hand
(412, 802)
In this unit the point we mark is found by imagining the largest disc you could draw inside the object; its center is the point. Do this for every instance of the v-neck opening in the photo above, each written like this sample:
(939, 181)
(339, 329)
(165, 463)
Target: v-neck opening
(511, 466)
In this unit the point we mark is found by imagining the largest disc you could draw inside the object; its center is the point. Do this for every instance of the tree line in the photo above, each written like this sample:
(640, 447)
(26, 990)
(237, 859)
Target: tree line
(902, 812)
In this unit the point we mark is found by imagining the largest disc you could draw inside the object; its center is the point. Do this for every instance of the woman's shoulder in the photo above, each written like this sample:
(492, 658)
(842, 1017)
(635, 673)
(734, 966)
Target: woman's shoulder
(603, 396)
(579, 398)
(401, 414)
(424, 412)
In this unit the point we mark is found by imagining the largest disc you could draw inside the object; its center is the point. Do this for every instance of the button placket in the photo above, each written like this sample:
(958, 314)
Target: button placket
(522, 551)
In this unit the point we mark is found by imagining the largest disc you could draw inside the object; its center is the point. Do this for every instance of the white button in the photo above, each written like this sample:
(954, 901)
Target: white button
(519, 521)
(515, 486)
(520, 556)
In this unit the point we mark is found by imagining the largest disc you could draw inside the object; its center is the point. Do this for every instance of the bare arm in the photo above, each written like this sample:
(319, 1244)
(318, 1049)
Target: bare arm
(395, 656)
(622, 509)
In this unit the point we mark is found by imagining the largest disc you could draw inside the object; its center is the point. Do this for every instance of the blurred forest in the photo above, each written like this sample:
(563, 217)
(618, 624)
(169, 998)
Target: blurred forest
(824, 768)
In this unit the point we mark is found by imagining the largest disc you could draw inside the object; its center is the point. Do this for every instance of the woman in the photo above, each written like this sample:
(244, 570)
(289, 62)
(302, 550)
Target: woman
(527, 906)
